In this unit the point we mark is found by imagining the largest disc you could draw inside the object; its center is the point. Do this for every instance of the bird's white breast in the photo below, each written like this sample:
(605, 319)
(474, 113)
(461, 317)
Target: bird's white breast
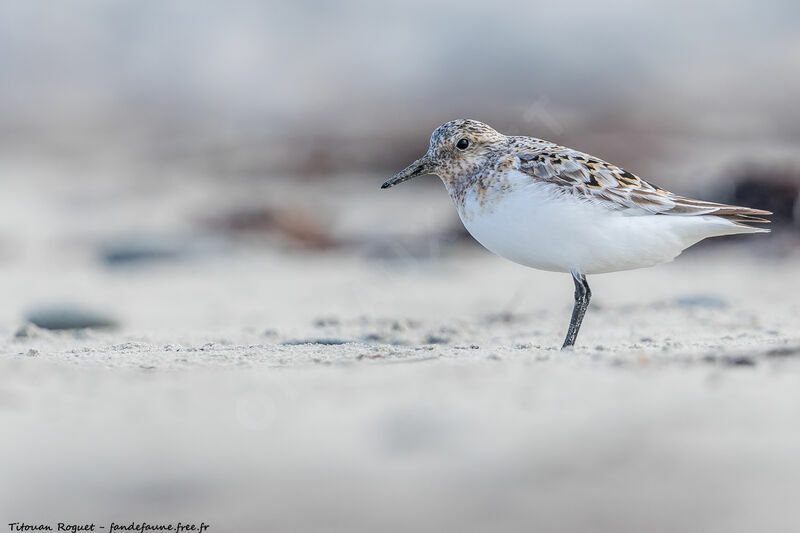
(538, 225)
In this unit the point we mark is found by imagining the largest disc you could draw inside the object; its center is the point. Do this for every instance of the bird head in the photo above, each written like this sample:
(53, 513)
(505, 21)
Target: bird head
(456, 149)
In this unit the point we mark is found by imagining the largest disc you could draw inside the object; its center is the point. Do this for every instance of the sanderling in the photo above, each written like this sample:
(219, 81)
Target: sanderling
(553, 208)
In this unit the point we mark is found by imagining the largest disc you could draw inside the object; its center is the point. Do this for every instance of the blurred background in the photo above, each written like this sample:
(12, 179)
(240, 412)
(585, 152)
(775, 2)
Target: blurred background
(103, 102)
(195, 184)
(135, 132)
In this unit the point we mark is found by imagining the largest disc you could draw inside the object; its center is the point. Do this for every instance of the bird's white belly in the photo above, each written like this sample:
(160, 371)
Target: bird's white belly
(535, 226)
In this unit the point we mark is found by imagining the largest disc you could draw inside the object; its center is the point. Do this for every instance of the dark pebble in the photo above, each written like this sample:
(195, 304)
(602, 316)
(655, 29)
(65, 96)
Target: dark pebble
(69, 317)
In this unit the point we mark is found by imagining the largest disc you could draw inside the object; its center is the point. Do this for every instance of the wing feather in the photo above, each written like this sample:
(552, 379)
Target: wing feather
(595, 180)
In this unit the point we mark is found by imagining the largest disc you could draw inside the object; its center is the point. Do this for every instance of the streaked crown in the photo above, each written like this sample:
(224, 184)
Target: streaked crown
(458, 146)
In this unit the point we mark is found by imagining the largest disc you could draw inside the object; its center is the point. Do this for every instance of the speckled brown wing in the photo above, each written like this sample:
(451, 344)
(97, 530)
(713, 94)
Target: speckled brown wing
(595, 180)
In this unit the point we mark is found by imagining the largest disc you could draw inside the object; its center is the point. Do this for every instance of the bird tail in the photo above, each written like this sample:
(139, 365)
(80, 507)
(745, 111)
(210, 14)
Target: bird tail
(744, 216)
(740, 216)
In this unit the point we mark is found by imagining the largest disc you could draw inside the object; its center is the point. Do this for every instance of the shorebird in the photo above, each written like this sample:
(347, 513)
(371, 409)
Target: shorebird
(554, 208)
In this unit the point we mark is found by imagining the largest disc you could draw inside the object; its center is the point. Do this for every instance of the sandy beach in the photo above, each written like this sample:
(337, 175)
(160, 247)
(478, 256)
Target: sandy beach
(295, 391)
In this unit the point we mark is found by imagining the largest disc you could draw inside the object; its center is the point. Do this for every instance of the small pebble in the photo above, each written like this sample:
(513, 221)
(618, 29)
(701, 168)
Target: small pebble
(435, 339)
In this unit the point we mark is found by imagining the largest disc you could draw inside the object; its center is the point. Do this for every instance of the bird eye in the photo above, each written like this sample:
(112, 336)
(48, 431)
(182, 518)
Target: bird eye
(462, 144)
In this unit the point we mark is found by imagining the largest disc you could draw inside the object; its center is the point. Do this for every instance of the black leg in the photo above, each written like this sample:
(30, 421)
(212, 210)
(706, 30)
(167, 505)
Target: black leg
(582, 296)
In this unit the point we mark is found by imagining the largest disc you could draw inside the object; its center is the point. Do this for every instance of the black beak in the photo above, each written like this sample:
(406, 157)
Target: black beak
(419, 167)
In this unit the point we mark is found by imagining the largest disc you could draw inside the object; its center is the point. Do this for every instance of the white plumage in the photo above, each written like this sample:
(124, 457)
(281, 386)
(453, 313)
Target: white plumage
(534, 225)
